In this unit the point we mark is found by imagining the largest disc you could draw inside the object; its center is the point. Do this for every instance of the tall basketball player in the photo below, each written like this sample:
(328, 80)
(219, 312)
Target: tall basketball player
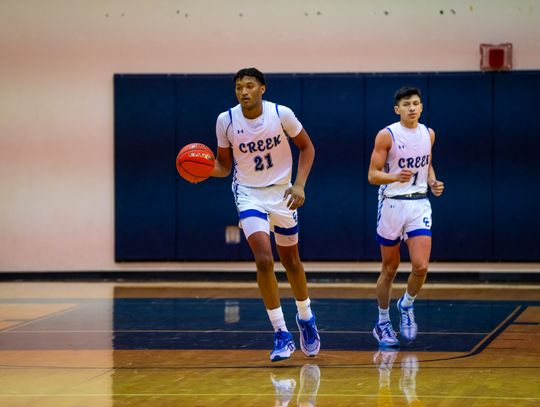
(401, 163)
(255, 136)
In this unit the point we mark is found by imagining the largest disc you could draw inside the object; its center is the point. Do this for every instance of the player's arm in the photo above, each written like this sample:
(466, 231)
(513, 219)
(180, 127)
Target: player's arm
(224, 157)
(295, 194)
(437, 187)
(224, 162)
(376, 173)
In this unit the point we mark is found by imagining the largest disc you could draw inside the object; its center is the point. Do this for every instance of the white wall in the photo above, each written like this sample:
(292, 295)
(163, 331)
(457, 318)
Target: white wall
(58, 57)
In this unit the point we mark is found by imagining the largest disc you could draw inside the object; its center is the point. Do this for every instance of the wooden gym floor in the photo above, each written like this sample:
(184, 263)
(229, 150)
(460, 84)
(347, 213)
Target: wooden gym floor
(207, 344)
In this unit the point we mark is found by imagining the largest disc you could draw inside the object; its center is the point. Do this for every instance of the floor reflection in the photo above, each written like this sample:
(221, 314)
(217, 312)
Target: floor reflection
(285, 386)
(385, 359)
(154, 348)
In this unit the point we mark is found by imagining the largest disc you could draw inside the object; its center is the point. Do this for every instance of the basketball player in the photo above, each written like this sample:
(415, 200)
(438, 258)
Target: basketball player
(401, 163)
(255, 136)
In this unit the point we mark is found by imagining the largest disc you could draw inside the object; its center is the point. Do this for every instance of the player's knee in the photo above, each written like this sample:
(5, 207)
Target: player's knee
(420, 269)
(264, 263)
(389, 270)
(292, 264)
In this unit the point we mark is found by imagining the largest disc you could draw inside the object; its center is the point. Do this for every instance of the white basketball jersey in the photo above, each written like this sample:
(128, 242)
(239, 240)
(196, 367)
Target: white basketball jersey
(261, 150)
(411, 149)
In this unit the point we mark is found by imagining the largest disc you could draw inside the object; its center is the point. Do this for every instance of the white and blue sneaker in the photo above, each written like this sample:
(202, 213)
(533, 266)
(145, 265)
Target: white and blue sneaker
(310, 341)
(385, 334)
(283, 346)
(407, 326)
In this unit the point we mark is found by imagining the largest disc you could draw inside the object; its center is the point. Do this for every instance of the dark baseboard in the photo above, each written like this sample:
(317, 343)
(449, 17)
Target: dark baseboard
(248, 276)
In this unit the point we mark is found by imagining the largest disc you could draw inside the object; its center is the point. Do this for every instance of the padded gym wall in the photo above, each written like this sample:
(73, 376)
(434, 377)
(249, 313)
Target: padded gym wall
(516, 167)
(485, 152)
(144, 146)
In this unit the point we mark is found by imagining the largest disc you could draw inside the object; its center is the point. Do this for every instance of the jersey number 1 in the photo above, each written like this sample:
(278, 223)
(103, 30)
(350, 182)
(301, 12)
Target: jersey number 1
(259, 162)
(415, 176)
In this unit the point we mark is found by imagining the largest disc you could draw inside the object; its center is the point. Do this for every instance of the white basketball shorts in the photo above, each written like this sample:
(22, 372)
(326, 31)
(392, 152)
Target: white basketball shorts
(265, 209)
(399, 219)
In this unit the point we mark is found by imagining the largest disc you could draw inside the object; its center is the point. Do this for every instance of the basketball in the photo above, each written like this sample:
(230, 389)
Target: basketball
(195, 162)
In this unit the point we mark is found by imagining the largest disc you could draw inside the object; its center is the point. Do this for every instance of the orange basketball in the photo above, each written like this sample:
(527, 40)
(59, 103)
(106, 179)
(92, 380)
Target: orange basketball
(195, 162)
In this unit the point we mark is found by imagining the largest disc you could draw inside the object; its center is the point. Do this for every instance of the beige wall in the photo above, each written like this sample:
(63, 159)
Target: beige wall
(57, 59)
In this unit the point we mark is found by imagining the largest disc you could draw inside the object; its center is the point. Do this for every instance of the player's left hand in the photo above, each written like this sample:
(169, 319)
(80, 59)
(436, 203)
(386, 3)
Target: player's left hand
(295, 197)
(437, 187)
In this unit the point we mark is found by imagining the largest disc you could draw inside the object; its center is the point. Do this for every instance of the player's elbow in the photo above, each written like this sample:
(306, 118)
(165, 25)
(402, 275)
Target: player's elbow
(307, 149)
(221, 171)
(371, 178)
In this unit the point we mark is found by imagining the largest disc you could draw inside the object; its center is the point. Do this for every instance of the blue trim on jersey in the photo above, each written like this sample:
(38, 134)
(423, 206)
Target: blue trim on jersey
(286, 231)
(392, 134)
(252, 212)
(228, 126)
(379, 210)
(235, 190)
(386, 242)
(284, 131)
(235, 184)
(419, 232)
(382, 188)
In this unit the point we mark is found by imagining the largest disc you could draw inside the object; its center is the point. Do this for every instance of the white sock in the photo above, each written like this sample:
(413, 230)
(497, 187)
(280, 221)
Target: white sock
(304, 310)
(384, 315)
(407, 300)
(277, 319)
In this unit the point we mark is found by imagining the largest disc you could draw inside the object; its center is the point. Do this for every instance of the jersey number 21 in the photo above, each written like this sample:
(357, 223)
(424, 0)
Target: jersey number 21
(260, 161)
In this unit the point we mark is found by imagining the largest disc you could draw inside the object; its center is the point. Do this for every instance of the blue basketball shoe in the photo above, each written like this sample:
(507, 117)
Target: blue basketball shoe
(310, 342)
(283, 346)
(407, 326)
(385, 334)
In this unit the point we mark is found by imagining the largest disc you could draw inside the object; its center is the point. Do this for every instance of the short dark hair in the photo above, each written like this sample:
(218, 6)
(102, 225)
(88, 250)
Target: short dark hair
(250, 72)
(406, 92)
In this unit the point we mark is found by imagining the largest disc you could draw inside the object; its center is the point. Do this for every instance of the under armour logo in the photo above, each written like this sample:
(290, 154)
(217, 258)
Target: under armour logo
(240, 131)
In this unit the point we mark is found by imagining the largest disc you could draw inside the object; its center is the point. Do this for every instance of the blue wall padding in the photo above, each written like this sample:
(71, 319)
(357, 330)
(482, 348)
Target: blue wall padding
(516, 167)
(486, 152)
(144, 148)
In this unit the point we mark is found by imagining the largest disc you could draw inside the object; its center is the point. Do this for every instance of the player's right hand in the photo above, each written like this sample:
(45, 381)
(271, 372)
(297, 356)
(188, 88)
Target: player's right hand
(294, 196)
(405, 176)
(437, 187)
